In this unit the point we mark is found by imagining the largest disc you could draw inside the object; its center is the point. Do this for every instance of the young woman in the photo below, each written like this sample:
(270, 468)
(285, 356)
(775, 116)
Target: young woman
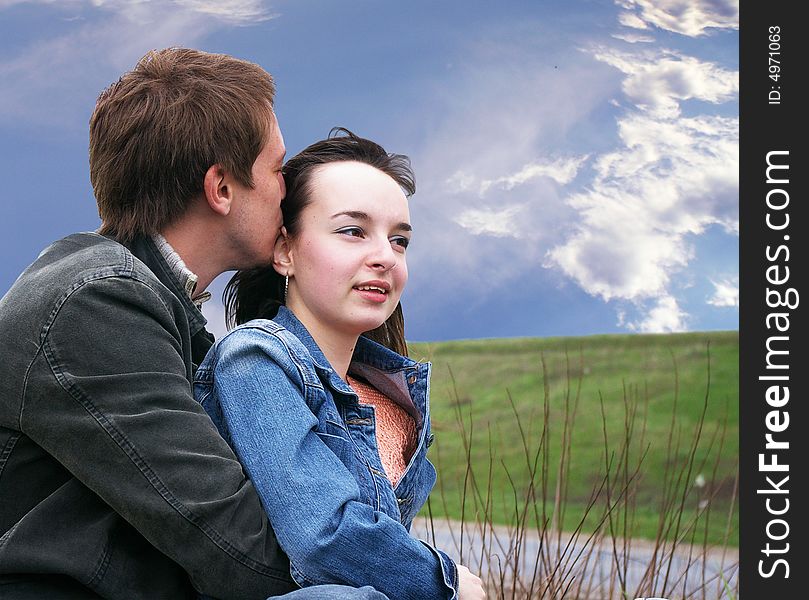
(323, 408)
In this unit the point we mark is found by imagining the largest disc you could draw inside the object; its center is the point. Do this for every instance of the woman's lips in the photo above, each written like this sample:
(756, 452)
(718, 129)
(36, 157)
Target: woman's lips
(373, 292)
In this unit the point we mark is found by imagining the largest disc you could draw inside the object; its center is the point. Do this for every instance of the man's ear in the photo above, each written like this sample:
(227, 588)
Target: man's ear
(282, 254)
(218, 191)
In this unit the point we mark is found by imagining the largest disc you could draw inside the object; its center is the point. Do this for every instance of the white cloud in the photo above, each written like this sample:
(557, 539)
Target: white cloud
(491, 221)
(589, 168)
(10, 3)
(669, 180)
(461, 181)
(562, 171)
(622, 259)
(239, 12)
(687, 17)
(726, 293)
(54, 80)
(491, 169)
(633, 38)
(626, 232)
(664, 317)
(629, 19)
(658, 82)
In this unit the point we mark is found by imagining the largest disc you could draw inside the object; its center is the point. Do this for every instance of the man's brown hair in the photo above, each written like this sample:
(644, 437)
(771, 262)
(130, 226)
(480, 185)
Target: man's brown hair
(157, 130)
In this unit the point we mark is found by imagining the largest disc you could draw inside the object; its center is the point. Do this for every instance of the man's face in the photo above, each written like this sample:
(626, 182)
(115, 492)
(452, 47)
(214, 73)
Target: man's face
(257, 211)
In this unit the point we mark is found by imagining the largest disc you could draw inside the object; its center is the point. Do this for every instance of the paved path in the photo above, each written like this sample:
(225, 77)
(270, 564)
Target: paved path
(585, 568)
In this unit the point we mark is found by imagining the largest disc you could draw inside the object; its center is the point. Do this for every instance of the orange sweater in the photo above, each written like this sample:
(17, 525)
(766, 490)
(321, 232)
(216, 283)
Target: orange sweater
(395, 429)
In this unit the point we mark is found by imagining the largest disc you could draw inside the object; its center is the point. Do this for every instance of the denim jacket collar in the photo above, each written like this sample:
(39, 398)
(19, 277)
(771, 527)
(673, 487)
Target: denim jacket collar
(287, 319)
(366, 352)
(383, 368)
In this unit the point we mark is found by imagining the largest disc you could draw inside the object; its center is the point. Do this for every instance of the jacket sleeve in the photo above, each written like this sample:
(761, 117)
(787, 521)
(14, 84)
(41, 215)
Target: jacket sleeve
(123, 421)
(313, 501)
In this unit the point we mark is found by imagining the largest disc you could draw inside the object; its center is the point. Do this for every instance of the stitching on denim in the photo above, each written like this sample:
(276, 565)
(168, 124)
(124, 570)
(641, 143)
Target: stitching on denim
(296, 573)
(129, 449)
(362, 458)
(309, 377)
(101, 569)
(377, 492)
(323, 434)
(24, 387)
(206, 393)
(96, 275)
(454, 568)
(7, 449)
(109, 272)
(287, 339)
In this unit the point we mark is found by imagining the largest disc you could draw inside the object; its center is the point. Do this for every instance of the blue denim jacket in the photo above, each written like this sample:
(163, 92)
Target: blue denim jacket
(310, 449)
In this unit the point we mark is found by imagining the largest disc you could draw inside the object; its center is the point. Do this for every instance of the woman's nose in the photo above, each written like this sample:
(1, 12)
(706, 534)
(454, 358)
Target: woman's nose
(382, 256)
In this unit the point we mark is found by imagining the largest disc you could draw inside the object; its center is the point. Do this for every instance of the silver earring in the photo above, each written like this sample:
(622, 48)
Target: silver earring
(286, 287)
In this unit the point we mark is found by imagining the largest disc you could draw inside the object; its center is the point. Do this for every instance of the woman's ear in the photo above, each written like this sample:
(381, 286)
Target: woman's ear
(218, 193)
(282, 254)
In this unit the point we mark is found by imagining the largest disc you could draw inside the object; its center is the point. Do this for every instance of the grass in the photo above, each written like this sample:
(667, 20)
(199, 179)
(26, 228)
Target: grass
(608, 438)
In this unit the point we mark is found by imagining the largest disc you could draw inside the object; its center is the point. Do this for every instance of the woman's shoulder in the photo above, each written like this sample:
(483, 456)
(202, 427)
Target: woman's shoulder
(267, 338)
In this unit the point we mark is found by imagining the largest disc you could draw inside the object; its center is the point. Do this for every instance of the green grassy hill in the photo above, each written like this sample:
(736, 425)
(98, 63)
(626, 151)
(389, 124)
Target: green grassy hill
(662, 408)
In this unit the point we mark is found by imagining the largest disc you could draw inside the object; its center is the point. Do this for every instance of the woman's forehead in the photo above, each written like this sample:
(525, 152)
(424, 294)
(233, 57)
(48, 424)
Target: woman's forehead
(350, 186)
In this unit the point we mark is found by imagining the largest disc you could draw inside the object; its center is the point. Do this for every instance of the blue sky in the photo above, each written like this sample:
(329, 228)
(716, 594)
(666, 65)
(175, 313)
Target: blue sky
(576, 161)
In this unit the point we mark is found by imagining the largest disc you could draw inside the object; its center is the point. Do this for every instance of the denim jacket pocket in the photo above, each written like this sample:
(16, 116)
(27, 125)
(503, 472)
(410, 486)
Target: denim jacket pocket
(336, 438)
(338, 441)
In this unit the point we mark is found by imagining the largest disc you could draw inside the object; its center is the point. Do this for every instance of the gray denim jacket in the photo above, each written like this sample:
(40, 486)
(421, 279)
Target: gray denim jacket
(114, 483)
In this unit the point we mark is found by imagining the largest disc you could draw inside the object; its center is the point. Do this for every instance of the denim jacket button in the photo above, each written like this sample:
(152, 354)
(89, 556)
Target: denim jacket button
(412, 379)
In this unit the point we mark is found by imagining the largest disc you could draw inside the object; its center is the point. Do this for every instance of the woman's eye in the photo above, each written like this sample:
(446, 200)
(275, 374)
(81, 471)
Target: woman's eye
(352, 231)
(400, 241)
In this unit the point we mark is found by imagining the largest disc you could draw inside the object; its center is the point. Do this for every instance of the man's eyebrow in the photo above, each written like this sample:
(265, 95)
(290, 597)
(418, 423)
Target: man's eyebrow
(363, 216)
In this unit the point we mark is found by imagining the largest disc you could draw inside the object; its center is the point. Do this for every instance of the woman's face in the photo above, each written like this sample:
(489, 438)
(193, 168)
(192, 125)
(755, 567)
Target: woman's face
(347, 261)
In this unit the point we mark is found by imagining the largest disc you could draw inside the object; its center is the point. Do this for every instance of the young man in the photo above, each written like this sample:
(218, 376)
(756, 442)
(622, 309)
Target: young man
(113, 481)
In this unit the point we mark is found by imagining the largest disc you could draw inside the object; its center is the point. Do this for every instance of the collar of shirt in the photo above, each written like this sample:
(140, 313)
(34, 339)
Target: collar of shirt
(183, 273)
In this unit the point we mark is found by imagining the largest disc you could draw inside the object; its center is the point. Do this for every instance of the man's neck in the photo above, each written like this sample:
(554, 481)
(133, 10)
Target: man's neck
(187, 278)
(196, 254)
